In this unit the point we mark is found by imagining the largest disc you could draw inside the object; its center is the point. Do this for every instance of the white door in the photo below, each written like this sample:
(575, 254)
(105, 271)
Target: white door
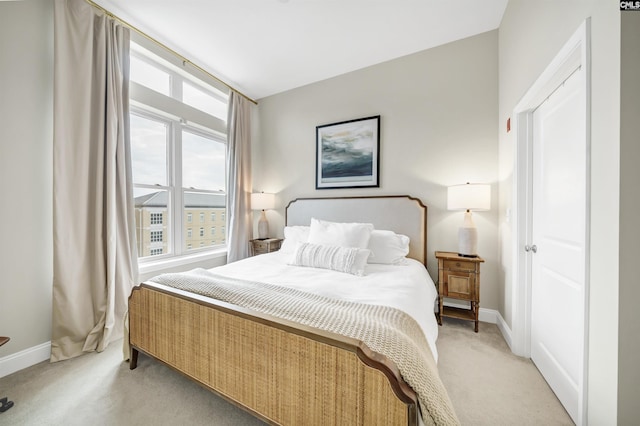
(558, 250)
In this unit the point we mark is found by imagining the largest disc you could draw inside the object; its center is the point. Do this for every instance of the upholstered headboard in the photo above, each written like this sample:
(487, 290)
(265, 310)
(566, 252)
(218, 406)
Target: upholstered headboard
(399, 213)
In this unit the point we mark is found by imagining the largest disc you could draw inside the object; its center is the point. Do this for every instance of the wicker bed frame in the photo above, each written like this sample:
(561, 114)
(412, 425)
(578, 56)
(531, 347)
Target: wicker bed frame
(283, 372)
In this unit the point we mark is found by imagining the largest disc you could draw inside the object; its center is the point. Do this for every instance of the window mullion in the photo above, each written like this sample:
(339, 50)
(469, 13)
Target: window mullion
(176, 86)
(176, 187)
(176, 134)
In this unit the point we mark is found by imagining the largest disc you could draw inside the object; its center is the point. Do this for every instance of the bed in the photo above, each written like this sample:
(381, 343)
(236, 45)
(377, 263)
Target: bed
(280, 362)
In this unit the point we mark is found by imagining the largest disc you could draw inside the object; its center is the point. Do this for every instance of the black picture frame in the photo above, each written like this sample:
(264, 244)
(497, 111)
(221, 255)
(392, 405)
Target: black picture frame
(348, 154)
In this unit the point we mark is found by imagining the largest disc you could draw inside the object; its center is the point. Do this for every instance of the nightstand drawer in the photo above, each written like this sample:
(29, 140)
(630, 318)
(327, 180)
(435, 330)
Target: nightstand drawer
(459, 265)
(260, 250)
(260, 246)
(265, 246)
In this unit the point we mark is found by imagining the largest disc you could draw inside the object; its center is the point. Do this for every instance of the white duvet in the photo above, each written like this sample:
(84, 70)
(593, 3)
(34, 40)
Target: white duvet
(406, 287)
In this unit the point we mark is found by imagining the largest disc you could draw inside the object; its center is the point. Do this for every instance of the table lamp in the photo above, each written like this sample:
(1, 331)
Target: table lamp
(262, 201)
(469, 196)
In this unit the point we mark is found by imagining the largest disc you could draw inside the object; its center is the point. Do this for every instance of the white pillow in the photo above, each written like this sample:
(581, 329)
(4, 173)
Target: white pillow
(340, 234)
(351, 260)
(294, 235)
(388, 247)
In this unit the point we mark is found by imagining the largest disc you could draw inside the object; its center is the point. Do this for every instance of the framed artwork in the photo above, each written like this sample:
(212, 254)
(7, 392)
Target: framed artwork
(348, 154)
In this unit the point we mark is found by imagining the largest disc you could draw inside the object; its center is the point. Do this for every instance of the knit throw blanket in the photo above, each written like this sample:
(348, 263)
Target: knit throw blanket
(383, 329)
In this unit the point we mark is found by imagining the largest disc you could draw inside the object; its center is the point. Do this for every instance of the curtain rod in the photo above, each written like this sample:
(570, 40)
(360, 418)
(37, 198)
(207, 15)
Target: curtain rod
(182, 58)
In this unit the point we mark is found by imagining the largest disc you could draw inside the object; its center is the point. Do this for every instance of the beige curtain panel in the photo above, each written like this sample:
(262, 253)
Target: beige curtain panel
(95, 259)
(239, 225)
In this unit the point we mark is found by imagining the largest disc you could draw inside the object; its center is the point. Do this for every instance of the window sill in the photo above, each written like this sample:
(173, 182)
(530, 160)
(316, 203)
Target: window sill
(159, 266)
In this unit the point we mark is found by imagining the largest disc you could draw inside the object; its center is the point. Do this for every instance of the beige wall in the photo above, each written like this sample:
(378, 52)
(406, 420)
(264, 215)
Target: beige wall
(26, 128)
(438, 112)
(530, 35)
(629, 323)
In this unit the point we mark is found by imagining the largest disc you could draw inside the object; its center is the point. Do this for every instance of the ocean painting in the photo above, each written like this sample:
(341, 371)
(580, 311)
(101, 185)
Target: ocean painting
(347, 153)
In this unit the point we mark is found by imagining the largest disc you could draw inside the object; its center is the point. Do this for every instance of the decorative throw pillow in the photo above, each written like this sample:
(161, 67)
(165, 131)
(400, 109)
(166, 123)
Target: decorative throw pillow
(387, 247)
(351, 260)
(294, 235)
(340, 234)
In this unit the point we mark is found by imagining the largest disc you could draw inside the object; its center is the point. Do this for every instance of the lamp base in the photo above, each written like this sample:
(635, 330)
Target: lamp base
(263, 227)
(468, 242)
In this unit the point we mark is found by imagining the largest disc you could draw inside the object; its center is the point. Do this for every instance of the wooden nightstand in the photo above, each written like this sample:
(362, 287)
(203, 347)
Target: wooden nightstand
(267, 245)
(458, 278)
(5, 404)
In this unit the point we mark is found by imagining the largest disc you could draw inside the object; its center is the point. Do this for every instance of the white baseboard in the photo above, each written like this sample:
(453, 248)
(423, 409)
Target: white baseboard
(485, 315)
(504, 329)
(23, 359)
(488, 315)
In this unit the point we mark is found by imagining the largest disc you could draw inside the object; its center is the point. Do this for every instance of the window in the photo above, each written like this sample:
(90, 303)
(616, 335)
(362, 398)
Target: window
(156, 218)
(143, 71)
(178, 149)
(213, 231)
(203, 99)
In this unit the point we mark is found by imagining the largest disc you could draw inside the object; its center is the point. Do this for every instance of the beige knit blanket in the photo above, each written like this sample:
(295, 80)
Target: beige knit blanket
(383, 329)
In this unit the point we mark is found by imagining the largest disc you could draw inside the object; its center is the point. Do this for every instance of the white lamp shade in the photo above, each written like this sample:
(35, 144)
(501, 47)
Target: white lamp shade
(262, 201)
(470, 196)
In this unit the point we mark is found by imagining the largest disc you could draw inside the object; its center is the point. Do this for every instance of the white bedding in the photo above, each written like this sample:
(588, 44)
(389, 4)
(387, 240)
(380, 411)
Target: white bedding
(406, 287)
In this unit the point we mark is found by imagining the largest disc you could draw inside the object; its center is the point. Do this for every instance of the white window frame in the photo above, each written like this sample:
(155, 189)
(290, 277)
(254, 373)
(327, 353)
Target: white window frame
(178, 117)
(174, 187)
(158, 66)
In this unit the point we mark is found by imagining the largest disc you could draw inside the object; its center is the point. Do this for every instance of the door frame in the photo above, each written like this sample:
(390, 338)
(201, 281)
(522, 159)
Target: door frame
(573, 55)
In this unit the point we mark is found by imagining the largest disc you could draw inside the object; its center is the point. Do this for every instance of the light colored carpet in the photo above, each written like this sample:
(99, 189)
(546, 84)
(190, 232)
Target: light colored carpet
(99, 389)
(487, 384)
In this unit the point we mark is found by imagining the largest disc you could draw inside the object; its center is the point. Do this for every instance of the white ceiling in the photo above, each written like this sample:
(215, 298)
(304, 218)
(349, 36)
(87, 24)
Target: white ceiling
(263, 47)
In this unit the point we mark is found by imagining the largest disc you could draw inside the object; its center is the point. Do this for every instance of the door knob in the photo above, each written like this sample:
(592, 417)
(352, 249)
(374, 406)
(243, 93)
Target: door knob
(533, 248)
